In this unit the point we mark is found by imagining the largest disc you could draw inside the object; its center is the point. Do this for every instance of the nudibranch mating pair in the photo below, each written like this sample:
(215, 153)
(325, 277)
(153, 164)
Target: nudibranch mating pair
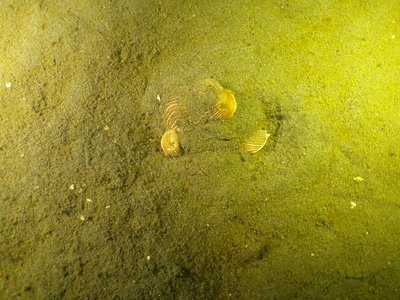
(224, 106)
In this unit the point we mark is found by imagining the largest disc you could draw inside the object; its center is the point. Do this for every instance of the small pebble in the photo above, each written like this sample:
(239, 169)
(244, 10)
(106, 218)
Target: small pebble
(8, 84)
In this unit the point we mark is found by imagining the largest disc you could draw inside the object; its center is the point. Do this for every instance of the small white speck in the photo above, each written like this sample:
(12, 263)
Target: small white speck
(22, 155)
(108, 206)
(352, 204)
(393, 36)
(106, 127)
(312, 254)
(82, 218)
(358, 179)
(148, 257)
(72, 187)
(158, 98)
(208, 225)
(89, 200)
(8, 84)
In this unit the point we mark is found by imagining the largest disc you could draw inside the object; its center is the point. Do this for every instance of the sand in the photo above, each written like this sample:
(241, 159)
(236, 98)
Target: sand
(90, 208)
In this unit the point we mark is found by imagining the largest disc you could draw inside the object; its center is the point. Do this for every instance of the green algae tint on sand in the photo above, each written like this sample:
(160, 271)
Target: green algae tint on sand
(90, 207)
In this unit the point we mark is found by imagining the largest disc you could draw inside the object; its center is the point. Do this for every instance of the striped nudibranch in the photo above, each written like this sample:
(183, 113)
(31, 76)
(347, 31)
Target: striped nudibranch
(225, 107)
(172, 114)
(203, 85)
(257, 141)
(225, 103)
(170, 143)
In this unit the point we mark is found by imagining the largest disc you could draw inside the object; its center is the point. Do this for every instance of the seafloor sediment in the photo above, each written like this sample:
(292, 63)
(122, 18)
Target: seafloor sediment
(91, 208)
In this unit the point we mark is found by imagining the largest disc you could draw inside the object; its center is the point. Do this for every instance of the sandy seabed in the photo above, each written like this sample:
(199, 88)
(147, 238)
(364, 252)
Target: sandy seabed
(90, 208)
